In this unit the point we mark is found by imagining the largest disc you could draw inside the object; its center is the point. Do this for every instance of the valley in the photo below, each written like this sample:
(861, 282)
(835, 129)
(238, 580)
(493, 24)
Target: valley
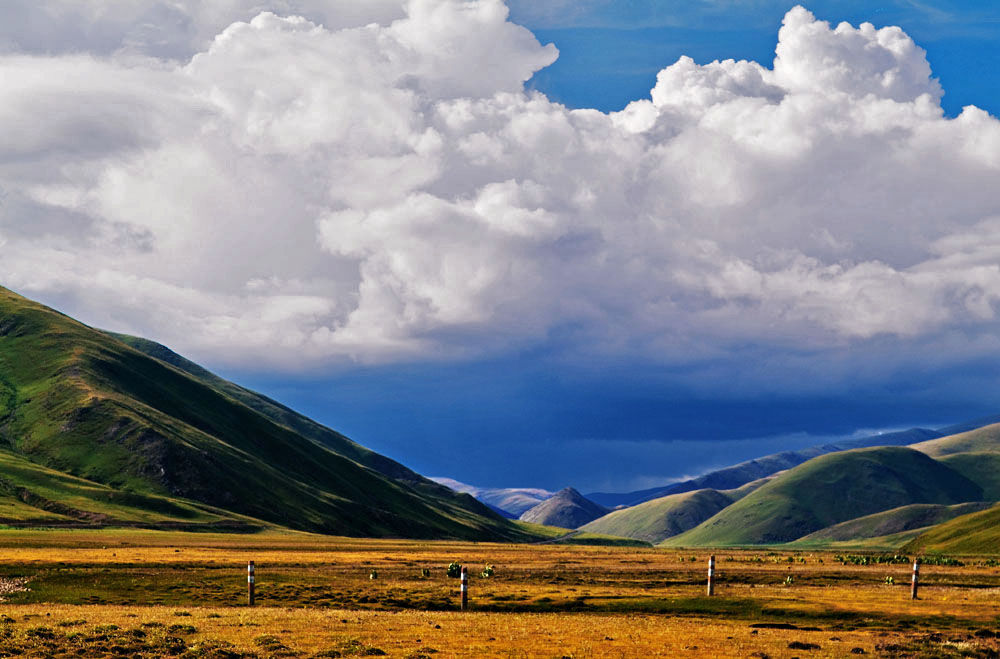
(86, 593)
(136, 486)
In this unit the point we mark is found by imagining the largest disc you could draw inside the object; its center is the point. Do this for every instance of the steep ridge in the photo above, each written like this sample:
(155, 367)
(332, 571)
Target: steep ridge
(276, 412)
(828, 490)
(81, 402)
(567, 509)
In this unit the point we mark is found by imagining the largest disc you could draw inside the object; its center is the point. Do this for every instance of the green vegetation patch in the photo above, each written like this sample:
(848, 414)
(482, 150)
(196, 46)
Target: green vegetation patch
(828, 490)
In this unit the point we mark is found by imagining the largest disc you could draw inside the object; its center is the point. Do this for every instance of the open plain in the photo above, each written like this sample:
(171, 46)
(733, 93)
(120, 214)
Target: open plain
(130, 593)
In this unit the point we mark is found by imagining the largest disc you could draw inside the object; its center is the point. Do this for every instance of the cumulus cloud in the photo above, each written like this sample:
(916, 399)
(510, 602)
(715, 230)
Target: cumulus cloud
(316, 182)
(175, 29)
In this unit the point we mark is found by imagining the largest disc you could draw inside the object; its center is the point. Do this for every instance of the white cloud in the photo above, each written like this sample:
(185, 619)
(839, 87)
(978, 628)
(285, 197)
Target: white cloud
(161, 28)
(855, 61)
(377, 185)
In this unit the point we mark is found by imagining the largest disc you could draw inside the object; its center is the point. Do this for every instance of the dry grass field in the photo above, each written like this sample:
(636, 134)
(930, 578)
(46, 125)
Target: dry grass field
(150, 594)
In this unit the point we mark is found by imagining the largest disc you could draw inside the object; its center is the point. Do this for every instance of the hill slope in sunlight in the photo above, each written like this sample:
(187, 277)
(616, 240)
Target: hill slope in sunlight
(831, 489)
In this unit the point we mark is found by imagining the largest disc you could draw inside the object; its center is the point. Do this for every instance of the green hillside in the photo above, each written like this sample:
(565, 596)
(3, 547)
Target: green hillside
(978, 533)
(33, 495)
(983, 469)
(980, 440)
(85, 404)
(661, 518)
(828, 490)
(275, 411)
(890, 522)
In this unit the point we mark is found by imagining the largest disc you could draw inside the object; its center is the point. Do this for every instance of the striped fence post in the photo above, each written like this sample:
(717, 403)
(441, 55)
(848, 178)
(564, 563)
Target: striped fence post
(916, 578)
(250, 583)
(465, 588)
(711, 576)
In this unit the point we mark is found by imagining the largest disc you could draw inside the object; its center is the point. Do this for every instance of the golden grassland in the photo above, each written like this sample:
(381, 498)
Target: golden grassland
(148, 593)
(411, 633)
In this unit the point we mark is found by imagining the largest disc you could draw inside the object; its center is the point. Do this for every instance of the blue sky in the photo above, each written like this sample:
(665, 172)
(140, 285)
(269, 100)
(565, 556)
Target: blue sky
(511, 263)
(517, 423)
(512, 424)
(610, 52)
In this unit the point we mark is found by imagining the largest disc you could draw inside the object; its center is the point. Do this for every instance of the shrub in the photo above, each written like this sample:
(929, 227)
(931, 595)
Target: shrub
(454, 570)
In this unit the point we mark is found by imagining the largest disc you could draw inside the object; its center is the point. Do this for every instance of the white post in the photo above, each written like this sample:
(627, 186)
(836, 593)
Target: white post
(916, 578)
(250, 581)
(711, 576)
(465, 588)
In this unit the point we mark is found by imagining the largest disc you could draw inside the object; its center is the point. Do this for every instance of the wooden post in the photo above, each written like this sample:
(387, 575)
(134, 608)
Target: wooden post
(916, 578)
(465, 588)
(711, 576)
(250, 581)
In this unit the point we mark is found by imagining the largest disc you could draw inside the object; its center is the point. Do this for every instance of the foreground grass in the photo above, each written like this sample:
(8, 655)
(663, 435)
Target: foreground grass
(183, 595)
(229, 633)
(97, 631)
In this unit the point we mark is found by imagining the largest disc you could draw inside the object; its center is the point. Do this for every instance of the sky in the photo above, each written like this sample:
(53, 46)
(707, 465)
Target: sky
(543, 243)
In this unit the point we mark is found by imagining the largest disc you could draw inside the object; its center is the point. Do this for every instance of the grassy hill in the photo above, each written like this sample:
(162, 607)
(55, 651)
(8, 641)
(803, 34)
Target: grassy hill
(893, 542)
(890, 522)
(828, 490)
(983, 469)
(980, 440)
(566, 509)
(978, 533)
(659, 519)
(276, 412)
(33, 495)
(86, 404)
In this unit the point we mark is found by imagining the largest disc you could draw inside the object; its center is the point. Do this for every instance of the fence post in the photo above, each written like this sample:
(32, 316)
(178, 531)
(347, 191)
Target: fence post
(916, 578)
(465, 588)
(711, 576)
(250, 582)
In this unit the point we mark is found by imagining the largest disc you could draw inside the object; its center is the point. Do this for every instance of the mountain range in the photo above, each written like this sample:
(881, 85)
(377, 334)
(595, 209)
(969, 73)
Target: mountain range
(103, 429)
(510, 502)
(751, 470)
(880, 496)
(884, 490)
